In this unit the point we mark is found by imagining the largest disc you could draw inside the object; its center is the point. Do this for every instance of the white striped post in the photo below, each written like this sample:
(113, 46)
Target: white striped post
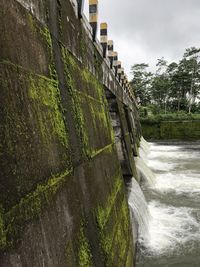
(122, 77)
(93, 17)
(115, 62)
(80, 8)
(110, 52)
(104, 37)
(119, 70)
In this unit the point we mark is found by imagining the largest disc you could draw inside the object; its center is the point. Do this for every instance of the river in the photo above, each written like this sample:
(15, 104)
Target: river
(170, 232)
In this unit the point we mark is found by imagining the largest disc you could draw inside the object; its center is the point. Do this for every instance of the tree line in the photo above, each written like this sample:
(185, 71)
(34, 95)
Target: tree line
(174, 86)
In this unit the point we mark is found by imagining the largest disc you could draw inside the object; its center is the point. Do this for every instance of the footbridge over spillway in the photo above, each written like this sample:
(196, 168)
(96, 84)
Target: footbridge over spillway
(69, 132)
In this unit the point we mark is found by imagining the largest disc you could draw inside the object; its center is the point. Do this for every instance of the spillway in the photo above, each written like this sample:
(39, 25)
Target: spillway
(169, 233)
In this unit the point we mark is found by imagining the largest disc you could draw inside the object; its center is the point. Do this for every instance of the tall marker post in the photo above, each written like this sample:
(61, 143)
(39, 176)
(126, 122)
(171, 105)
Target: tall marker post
(119, 70)
(115, 62)
(110, 53)
(93, 17)
(104, 37)
(80, 8)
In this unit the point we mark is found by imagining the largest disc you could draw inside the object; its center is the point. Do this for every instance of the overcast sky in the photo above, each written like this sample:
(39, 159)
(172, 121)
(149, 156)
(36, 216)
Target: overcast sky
(145, 30)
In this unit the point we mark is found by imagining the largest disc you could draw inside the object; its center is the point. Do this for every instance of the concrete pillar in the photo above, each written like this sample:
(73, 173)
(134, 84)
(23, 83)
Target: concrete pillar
(115, 62)
(104, 37)
(93, 17)
(110, 52)
(126, 82)
(119, 70)
(122, 77)
(80, 8)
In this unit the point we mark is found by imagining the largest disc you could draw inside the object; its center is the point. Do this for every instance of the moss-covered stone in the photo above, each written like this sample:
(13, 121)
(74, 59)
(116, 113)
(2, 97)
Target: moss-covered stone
(62, 192)
(88, 106)
(114, 239)
(30, 207)
(84, 254)
(3, 240)
(32, 132)
(45, 93)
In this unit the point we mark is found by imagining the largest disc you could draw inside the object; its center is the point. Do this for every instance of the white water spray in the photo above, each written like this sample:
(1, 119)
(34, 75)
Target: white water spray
(139, 208)
(144, 172)
(173, 219)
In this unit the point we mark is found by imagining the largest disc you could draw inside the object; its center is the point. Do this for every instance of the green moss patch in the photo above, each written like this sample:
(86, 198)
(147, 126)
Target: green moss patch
(89, 107)
(3, 240)
(114, 225)
(84, 254)
(45, 95)
(33, 135)
(31, 206)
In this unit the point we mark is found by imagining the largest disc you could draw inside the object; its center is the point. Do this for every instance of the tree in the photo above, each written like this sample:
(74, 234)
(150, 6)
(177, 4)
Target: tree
(191, 57)
(141, 82)
(174, 86)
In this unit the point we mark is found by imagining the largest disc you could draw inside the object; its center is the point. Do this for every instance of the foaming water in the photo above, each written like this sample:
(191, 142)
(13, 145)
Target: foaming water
(172, 152)
(181, 184)
(144, 145)
(139, 208)
(144, 172)
(157, 165)
(170, 227)
(173, 205)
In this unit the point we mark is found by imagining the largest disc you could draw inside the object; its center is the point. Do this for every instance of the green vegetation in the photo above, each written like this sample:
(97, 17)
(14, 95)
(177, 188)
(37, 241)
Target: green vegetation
(165, 129)
(179, 116)
(174, 87)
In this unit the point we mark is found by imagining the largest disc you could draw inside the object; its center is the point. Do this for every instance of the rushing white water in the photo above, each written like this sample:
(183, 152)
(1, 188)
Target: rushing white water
(144, 172)
(184, 183)
(173, 201)
(145, 144)
(144, 149)
(170, 227)
(139, 208)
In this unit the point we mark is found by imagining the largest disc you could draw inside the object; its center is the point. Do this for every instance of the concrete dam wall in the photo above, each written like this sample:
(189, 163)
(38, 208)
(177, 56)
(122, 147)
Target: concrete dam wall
(69, 132)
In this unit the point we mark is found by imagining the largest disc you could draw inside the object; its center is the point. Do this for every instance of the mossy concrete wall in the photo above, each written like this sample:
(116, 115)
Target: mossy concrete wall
(62, 193)
(178, 130)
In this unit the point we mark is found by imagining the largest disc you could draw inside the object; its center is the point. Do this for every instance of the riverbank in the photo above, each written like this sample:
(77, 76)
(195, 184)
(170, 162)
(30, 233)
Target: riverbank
(170, 129)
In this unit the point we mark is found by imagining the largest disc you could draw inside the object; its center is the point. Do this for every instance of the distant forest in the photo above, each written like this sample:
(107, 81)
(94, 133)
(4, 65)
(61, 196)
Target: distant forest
(174, 87)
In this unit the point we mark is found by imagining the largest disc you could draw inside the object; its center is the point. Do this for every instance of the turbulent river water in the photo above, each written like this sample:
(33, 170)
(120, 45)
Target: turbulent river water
(169, 206)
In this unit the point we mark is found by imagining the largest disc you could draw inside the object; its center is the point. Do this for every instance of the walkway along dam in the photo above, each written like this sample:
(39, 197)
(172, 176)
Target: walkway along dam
(69, 132)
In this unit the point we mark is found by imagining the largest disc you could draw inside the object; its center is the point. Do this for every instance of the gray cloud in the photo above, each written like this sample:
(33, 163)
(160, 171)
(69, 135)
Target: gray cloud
(144, 30)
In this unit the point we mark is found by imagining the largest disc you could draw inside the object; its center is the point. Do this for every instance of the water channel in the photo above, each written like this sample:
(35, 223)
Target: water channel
(169, 219)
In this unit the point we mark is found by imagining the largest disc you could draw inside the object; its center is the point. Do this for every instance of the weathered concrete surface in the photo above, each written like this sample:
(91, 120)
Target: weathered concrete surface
(177, 130)
(62, 193)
